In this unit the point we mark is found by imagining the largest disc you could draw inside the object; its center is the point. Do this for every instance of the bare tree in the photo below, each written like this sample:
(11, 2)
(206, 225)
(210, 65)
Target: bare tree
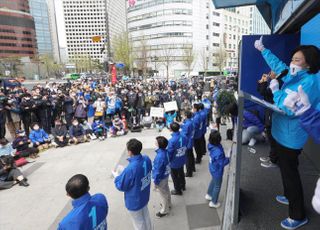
(168, 57)
(204, 54)
(123, 50)
(188, 57)
(142, 56)
(220, 57)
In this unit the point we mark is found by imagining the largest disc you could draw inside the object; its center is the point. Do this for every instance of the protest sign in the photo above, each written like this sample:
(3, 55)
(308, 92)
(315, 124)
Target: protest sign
(156, 112)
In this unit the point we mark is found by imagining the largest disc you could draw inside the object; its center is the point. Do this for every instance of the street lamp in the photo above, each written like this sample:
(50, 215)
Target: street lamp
(155, 59)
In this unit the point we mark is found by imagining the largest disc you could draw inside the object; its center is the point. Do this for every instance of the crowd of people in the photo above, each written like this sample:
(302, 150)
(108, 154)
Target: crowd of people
(61, 114)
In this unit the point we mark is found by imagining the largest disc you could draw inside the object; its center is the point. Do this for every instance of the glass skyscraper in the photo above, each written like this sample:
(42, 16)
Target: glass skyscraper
(39, 11)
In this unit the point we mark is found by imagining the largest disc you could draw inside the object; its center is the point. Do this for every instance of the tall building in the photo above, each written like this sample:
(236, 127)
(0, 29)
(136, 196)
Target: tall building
(178, 29)
(235, 25)
(257, 23)
(39, 11)
(17, 30)
(84, 19)
(54, 30)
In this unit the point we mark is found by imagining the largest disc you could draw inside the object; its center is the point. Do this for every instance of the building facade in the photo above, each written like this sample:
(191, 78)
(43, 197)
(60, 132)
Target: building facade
(257, 23)
(39, 11)
(54, 30)
(84, 19)
(183, 27)
(17, 30)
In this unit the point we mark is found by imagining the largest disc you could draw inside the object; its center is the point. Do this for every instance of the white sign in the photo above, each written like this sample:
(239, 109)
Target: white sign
(7, 72)
(170, 106)
(156, 112)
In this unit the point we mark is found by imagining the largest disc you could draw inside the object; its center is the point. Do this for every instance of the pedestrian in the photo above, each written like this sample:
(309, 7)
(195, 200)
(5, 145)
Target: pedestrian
(160, 175)
(187, 129)
(89, 212)
(217, 163)
(135, 182)
(197, 123)
(177, 152)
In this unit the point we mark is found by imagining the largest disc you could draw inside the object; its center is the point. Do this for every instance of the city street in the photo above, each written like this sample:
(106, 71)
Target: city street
(44, 203)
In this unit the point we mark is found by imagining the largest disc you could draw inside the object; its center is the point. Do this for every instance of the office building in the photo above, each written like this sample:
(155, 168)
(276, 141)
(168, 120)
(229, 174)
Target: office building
(17, 30)
(84, 19)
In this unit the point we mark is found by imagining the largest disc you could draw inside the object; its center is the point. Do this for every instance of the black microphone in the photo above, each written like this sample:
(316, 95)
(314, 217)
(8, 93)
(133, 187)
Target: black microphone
(282, 74)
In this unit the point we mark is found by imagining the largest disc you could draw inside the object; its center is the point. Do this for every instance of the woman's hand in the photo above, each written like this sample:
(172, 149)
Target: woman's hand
(259, 45)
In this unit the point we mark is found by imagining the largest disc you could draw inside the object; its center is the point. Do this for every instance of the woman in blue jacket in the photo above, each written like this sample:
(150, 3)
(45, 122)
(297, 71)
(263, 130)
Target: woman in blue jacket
(287, 131)
(216, 166)
(310, 121)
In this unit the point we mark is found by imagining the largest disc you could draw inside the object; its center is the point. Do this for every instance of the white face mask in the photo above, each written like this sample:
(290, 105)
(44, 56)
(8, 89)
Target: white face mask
(294, 69)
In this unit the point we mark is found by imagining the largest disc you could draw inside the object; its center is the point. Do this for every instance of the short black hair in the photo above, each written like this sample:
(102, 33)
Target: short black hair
(312, 56)
(215, 137)
(201, 106)
(3, 141)
(135, 146)
(77, 186)
(196, 106)
(162, 142)
(188, 114)
(175, 127)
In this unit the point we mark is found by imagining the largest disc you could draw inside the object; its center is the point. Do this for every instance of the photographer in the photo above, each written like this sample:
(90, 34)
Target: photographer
(9, 174)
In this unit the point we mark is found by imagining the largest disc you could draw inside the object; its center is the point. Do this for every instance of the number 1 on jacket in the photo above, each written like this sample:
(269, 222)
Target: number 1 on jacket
(93, 215)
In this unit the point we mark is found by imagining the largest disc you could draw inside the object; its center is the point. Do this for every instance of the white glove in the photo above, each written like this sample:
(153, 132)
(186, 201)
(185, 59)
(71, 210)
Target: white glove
(303, 104)
(316, 198)
(274, 85)
(291, 100)
(258, 44)
(119, 169)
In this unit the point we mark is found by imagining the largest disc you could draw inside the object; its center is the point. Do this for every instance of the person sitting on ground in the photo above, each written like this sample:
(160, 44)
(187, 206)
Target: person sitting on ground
(135, 122)
(9, 174)
(39, 138)
(6, 147)
(22, 144)
(77, 133)
(252, 128)
(160, 123)
(147, 121)
(87, 127)
(216, 166)
(117, 128)
(59, 133)
(99, 129)
(89, 212)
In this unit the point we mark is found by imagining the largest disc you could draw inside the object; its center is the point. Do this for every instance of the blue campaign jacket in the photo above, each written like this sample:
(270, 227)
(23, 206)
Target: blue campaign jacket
(204, 114)
(135, 181)
(170, 118)
(88, 213)
(38, 136)
(286, 128)
(187, 129)
(217, 160)
(310, 121)
(177, 148)
(197, 124)
(161, 166)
